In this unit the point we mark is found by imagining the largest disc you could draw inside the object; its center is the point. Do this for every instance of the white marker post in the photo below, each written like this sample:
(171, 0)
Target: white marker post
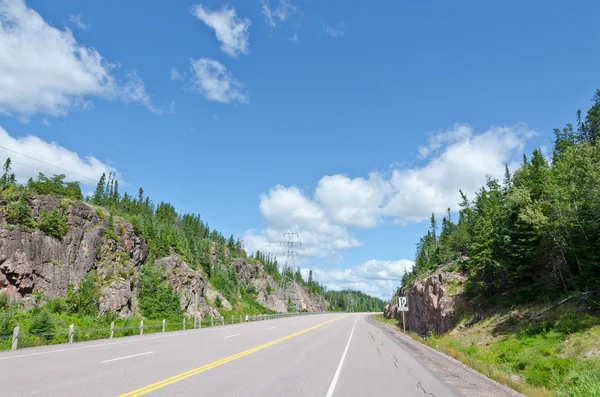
(403, 307)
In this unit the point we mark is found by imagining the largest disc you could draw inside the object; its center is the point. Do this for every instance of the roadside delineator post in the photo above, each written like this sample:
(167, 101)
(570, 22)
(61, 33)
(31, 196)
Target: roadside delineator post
(231, 320)
(211, 321)
(71, 332)
(141, 327)
(112, 330)
(164, 323)
(223, 320)
(195, 321)
(184, 323)
(15, 338)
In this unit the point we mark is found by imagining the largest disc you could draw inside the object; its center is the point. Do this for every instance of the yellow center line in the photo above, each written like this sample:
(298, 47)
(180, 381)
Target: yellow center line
(165, 382)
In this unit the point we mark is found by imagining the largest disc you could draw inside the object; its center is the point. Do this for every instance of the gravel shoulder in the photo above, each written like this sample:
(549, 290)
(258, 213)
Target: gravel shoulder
(464, 380)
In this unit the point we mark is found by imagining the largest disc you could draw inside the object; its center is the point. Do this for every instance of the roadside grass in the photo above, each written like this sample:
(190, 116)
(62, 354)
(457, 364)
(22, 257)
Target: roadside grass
(557, 355)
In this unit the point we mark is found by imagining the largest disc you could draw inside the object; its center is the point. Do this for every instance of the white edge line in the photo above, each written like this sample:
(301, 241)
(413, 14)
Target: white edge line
(339, 368)
(138, 339)
(123, 358)
(271, 327)
(231, 336)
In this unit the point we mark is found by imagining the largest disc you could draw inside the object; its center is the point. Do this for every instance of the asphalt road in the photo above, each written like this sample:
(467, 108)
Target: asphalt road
(321, 355)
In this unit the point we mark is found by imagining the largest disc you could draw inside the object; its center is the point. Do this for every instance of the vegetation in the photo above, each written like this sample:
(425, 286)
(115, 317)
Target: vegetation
(157, 300)
(530, 239)
(353, 301)
(535, 235)
(53, 223)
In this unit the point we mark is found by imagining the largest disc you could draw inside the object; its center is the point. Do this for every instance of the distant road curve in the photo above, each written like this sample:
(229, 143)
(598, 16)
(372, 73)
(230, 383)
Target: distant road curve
(325, 355)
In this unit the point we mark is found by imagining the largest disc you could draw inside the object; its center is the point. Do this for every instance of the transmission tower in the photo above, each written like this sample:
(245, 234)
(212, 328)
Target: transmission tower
(290, 262)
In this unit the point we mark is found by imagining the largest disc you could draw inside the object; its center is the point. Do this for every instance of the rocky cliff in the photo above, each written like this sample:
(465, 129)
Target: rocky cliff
(434, 303)
(32, 263)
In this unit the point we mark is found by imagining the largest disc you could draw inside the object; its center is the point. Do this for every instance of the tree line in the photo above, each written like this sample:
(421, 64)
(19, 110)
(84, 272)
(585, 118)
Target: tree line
(536, 233)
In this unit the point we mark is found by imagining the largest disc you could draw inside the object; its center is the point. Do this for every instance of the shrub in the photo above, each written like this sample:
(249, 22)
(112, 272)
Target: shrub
(269, 289)
(42, 323)
(6, 323)
(53, 224)
(85, 299)
(157, 299)
(58, 305)
(19, 213)
(3, 301)
(218, 302)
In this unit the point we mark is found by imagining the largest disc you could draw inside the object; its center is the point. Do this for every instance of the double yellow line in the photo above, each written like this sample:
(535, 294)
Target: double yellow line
(196, 371)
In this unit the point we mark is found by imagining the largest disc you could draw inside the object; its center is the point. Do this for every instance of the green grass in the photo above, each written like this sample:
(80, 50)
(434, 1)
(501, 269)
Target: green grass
(555, 356)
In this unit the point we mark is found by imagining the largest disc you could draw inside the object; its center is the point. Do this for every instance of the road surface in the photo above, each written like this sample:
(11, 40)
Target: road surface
(325, 355)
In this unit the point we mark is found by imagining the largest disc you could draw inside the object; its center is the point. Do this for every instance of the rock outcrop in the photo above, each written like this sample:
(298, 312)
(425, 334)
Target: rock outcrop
(274, 297)
(31, 261)
(433, 303)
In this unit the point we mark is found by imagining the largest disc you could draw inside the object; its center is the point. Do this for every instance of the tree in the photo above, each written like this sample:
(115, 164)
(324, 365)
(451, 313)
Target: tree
(8, 178)
(310, 276)
(100, 187)
(53, 223)
(42, 324)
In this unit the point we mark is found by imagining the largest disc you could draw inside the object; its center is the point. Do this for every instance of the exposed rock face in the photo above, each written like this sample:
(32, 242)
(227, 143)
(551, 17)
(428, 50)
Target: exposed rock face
(31, 261)
(431, 306)
(278, 298)
(188, 283)
(211, 295)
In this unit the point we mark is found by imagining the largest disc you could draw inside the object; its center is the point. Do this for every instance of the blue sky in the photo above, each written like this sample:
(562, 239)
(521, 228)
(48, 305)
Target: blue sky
(347, 122)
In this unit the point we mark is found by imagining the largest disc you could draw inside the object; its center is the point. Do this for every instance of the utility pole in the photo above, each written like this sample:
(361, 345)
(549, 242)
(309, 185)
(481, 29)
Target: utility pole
(290, 255)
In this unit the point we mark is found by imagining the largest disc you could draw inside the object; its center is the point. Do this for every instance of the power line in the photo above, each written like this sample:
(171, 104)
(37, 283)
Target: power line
(66, 122)
(51, 165)
(205, 220)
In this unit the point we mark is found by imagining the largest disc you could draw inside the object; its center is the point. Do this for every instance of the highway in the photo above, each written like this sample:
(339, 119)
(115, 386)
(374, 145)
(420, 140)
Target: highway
(324, 355)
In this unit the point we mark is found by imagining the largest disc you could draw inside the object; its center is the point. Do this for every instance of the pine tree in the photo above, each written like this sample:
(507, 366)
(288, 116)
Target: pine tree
(99, 194)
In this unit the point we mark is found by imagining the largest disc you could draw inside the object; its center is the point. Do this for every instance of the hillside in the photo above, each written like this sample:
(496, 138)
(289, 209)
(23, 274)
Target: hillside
(515, 283)
(114, 257)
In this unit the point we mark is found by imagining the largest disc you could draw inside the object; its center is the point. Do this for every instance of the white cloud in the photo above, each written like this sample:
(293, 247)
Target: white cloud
(294, 38)
(288, 208)
(78, 21)
(231, 31)
(334, 30)
(278, 15)
(134, 90)
(45, 70)
(50, 159)
(374, 277)
(463, 160)
(216, 83)
(175, 75)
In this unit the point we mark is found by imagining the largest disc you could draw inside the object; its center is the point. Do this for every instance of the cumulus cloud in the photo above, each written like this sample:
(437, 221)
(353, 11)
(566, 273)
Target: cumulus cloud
(289, 208)
(77, 20)
(45, 70)
(278, 15)
(215, 82)
(31, 155)
(458, 158)
(374, 277)
(334, 31)
(232, 32)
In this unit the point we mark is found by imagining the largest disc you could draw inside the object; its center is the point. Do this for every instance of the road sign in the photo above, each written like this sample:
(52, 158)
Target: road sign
(402, 303)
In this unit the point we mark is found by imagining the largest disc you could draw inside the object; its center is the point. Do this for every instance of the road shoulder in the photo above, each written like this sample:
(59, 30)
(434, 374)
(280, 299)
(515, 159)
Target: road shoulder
(458, 376)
